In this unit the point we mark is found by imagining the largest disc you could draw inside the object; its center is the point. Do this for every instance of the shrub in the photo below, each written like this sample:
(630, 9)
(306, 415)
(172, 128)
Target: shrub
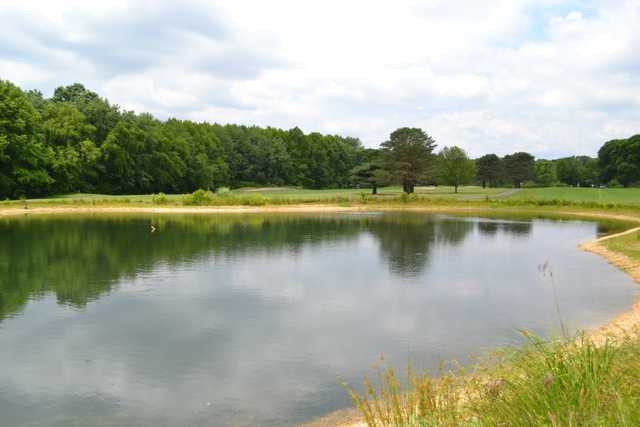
(254, 200)
(223, 191)
(614, 183)
(160, 199)
(198, 197)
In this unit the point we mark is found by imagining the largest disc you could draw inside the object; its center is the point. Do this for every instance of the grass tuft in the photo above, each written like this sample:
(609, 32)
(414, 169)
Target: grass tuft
(545, 383)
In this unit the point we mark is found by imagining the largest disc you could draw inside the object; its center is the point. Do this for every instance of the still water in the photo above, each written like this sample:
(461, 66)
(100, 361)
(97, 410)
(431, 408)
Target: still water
(253, 320)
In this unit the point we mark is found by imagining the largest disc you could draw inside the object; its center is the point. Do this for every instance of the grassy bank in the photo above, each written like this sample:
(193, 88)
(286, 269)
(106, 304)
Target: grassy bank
(587, 380)
(556, 383)
(581, 195)
(628, 245)
(470, 196)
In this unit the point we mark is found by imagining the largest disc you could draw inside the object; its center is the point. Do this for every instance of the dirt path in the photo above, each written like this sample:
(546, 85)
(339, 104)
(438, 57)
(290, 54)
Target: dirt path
(502, 195)
(507, 193)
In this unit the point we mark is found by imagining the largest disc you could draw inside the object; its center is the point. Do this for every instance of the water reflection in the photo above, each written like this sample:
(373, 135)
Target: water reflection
(405, 240)
(251, 320)
(515, 228)
(80, 259)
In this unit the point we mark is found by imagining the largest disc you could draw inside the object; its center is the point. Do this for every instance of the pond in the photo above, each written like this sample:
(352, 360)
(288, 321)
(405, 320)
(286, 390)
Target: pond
(254, 320)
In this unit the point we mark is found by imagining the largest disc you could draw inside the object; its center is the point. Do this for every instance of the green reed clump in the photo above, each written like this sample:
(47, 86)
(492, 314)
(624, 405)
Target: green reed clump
(558, 383)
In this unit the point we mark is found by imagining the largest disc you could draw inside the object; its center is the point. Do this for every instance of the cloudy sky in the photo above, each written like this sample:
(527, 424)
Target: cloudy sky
(547, 76)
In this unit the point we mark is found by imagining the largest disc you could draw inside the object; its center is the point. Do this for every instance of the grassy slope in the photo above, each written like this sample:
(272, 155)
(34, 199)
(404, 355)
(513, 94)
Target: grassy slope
(629, 196)
(290, 195)
(628, 245)
(559, 383)
(298, 194)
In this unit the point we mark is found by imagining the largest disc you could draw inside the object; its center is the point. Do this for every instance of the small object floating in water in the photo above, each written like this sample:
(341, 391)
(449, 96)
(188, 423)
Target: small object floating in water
(153, 229)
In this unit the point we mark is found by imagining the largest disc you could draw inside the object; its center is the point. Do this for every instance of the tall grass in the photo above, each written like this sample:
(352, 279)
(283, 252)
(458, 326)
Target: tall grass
(545, 383)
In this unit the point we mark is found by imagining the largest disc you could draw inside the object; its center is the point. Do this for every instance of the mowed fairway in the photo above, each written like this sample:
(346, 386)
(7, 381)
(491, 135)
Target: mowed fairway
(293, 195)
(619, 196)
(468, 192)
(280, 194)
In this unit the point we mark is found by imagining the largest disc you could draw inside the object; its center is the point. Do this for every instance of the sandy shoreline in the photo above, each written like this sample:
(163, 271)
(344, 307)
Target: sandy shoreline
(301, 208)
(628, 321)
(620, 325)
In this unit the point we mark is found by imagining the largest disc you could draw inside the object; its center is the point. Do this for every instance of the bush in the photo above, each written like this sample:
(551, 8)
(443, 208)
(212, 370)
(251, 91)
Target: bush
(614, 183)
(223, 191)
(198, 197)
(531, 184)
(160, 199)
(254, 200)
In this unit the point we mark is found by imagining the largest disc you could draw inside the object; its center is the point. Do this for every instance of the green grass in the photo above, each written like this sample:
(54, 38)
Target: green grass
(570, 382)
(626, 196)
(628, 244)
(271, 196)
(464, 193)
(468, 195)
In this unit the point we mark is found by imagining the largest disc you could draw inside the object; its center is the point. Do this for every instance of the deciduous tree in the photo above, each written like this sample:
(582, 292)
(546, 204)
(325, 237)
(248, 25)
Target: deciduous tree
(519, 167)
(454, 167)
(489, 170)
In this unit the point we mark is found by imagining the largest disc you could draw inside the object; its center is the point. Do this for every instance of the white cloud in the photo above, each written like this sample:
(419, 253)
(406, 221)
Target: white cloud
(489, 76)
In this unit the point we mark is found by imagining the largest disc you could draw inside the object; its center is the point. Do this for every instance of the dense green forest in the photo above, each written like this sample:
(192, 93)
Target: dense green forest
(77, 141)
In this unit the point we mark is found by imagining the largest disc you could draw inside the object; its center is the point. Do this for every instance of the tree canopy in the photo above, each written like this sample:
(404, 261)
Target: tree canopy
(408, 155)
(519, 167)
(619, 160)
(76, 141)
(489, 170)
(23, 156)
(454, 167)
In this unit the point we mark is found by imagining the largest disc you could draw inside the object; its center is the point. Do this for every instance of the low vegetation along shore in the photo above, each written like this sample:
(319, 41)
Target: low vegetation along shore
(592, 198)
(589, 379)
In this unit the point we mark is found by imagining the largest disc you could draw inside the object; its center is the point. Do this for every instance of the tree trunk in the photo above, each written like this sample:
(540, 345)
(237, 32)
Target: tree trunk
(374, 189)
(484, 184)
(455, 188)
(410, 187)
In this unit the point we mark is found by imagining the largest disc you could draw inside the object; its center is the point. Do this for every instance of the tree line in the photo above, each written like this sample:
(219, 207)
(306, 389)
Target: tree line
(77, 141)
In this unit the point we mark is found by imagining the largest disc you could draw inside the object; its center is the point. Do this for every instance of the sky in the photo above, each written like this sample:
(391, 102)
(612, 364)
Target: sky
(550, 77)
